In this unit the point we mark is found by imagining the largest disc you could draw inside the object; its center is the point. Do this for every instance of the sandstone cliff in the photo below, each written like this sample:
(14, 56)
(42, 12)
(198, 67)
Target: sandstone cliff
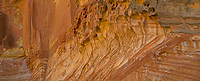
(102, 40)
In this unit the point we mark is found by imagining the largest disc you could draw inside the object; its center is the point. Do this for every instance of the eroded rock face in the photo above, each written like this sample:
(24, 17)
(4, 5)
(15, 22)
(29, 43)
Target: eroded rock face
(177, 62)
(13, 63)
(106, 40)
(10, 24)
(122, 38)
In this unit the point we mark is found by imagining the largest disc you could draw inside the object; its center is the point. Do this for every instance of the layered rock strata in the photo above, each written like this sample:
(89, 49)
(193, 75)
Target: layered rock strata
(107, 39)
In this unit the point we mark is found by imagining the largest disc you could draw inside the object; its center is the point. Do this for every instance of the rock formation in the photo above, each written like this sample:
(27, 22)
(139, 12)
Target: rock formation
(106, 40)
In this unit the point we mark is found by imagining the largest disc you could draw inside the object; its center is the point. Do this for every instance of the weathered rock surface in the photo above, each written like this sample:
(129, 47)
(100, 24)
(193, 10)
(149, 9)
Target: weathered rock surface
(129, 40)
(13, 63)
(10, 24)
(14, 66)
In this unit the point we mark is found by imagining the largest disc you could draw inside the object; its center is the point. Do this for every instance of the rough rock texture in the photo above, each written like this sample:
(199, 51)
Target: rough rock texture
(107, 40)
(120, 39)
(13, 63)
(178, 62)
(14, 66)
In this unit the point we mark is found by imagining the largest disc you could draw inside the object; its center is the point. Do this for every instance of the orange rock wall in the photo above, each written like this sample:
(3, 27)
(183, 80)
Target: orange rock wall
(102, 39)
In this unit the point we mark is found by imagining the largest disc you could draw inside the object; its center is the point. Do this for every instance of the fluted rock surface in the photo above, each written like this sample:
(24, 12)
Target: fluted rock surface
(123, 37)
